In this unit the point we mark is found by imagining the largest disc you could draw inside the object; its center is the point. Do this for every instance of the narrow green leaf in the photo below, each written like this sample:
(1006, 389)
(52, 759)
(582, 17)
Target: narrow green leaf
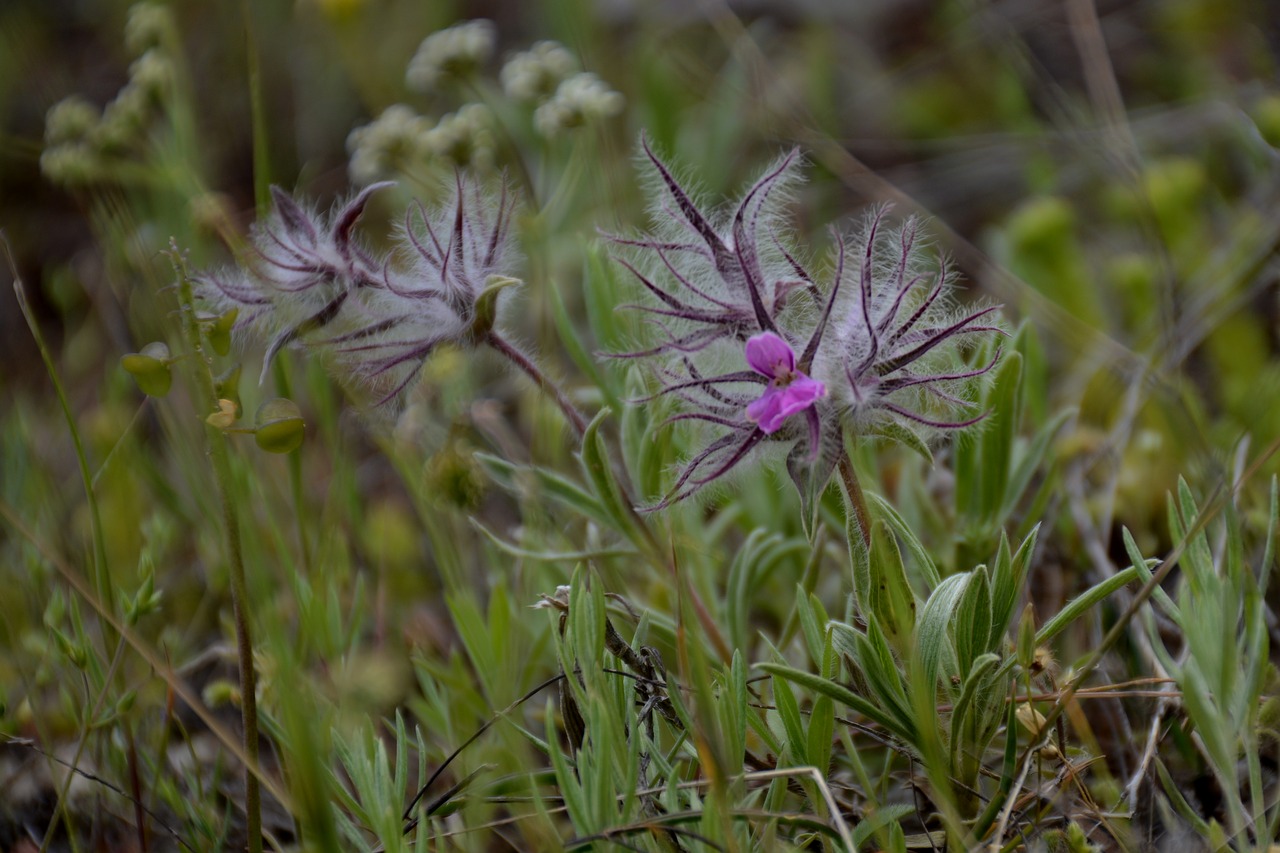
(567, 784)
(907, 437)
(611, 496)
(810, 624)
(555, 486)
(821, 734)
(1004, 403)
(974, 683)
(1144, 572)
(738, 584)
(973, 620)
(839, 693)
(789, 712)
(738, 705)
(585, 361)
(1030, 461)
(877, 819)
(919, 554)
(549, 556)
(897, 602)
(933, 643)
(1077, 607)
(881, 671)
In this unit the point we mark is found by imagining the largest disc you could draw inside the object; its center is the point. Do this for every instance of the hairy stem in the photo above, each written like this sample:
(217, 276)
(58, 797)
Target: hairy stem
(857, 500)
(217, 444)
(522, 361)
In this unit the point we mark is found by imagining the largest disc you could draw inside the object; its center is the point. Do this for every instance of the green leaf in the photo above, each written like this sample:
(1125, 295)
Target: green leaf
(973, 620)
(1144, 572)
(859, 564)
(586, 623)
(975, 684)
(880, 669)
(877, 819)
(1006, 583)
(735, 709)
(822, 720)
(904, 435)
(811, 622)
(1030, 461)
(570, 338)
(933, 642)
(567, 784)
(789, 712)
(1077, 607)
(919, 554)
(610, 495)
(1004, 403)
(739, 582)
(892, 600)
(555, 486)
(550, 556)
(843, 695)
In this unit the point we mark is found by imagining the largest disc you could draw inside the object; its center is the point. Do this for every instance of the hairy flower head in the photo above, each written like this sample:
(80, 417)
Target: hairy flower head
(311, 283)
(873, 340)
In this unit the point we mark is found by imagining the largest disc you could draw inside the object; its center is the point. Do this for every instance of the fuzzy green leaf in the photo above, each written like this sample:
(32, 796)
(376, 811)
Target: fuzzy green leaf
(839, 693)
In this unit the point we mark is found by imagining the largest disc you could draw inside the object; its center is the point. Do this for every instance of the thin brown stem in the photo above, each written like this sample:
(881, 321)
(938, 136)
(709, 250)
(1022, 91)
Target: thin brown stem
(231, 526)
(522, 361)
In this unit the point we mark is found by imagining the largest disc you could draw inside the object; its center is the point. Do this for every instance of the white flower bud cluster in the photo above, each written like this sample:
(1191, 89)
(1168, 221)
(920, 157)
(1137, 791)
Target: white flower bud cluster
(400, 141)
(149, 25)
(464, 138)
(581, 99)
(79, 140)
(394, 142)
(533, 75)
(452, 53)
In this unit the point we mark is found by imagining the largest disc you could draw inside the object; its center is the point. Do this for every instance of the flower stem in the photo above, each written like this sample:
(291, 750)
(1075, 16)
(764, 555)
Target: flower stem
(522, 361)
(217, 444)
(857, 500)
(102, 581)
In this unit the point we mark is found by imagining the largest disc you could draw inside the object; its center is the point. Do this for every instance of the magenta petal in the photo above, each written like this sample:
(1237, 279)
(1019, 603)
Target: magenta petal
(777, 404)
(767, 411)
(771, 356)
(803, 393)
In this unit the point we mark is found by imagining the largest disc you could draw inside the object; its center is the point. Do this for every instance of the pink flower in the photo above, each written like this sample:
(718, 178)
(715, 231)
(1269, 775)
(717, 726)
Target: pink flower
(789, 390)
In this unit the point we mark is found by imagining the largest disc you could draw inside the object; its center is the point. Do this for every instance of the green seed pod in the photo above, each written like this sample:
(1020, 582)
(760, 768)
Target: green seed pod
(280, 426)
(220, 331)
(150, 369)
